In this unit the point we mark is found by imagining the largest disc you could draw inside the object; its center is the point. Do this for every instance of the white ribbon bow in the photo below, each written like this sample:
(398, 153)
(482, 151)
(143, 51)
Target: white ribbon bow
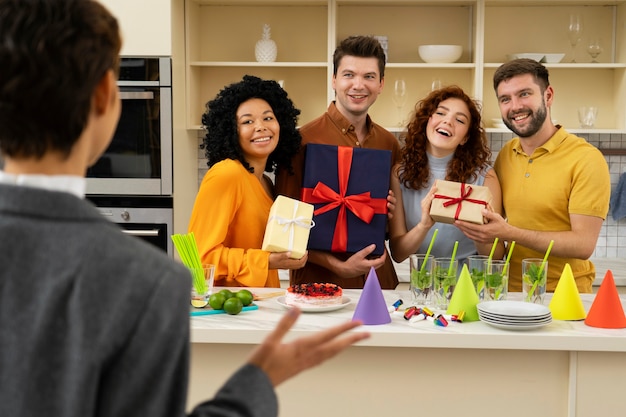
(289, 224)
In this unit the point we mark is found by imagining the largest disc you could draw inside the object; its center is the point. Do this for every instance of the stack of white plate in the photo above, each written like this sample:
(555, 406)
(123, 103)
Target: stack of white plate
(514, 315)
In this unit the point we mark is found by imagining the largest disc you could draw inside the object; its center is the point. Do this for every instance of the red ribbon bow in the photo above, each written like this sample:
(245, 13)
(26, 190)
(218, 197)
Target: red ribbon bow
(362, 205)
(465, 192)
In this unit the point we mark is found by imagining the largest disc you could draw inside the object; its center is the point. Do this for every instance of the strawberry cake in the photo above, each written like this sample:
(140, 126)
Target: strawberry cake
(313, 295)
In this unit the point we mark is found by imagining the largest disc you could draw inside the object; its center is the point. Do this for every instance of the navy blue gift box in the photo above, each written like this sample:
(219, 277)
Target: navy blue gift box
(348, 188)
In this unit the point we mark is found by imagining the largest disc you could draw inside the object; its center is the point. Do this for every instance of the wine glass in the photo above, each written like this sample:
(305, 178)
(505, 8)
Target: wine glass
(574, 31)
(594, 49)
(399, 98)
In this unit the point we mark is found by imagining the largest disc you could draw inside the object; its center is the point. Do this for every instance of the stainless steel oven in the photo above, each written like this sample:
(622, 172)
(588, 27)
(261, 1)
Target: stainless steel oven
(146, 217)
(139, 159)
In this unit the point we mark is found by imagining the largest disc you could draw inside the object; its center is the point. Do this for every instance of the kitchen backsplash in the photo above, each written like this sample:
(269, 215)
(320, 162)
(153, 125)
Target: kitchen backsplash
(612, 239)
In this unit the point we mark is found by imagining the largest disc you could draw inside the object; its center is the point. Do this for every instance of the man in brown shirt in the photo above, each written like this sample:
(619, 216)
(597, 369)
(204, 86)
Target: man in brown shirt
(358, 79)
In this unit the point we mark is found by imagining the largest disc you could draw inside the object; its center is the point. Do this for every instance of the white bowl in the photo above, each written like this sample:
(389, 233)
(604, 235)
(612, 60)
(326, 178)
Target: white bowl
(536, 57)
(552, 58)
(440, 54)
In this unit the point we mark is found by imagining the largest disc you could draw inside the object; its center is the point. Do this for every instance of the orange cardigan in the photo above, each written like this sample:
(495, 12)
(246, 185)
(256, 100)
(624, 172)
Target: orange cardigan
(228, 221)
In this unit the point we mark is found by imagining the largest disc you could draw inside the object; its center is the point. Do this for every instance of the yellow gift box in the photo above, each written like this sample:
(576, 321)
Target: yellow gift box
(455, 200)
(288, 227)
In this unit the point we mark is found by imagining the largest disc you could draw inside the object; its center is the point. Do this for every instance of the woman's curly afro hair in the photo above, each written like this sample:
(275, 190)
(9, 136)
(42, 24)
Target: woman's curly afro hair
(222, 139)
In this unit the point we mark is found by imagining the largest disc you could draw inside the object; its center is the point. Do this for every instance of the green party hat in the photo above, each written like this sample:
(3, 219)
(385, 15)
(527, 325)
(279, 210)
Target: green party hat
(464, 297)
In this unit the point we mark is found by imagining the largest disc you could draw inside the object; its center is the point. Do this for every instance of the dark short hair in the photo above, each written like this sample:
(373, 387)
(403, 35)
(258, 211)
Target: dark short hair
(220, 120)
(522, 66)
(363, 47)
(53, 53)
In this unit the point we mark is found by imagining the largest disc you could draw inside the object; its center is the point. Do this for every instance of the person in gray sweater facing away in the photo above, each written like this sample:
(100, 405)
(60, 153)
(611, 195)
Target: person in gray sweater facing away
(96, 323)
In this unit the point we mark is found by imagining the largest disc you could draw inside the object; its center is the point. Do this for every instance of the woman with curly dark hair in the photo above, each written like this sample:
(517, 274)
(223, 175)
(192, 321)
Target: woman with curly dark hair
(445, 140)
(251, 128)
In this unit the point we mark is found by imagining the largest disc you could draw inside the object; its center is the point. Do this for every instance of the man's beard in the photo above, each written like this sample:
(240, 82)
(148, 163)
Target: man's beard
(537, 119)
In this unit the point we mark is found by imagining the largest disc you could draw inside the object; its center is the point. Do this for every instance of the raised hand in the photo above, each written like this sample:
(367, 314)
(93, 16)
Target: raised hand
(281, 361)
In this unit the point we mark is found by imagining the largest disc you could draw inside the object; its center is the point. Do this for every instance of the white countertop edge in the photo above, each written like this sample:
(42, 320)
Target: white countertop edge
(514, 340)
(253, 326)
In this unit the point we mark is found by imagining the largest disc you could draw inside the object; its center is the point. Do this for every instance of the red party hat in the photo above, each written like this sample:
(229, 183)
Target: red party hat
(371, 308)
(607, 311)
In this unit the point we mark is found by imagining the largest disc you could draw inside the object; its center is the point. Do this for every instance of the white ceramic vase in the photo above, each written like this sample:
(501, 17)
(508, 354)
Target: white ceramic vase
(265, 49)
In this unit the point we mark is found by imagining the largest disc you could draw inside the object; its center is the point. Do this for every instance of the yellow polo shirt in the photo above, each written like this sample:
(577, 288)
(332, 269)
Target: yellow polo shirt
(565, 176)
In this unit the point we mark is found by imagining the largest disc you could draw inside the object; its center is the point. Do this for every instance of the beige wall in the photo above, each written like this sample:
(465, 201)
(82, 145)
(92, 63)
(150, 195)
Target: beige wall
(185, 141)
(146, 26)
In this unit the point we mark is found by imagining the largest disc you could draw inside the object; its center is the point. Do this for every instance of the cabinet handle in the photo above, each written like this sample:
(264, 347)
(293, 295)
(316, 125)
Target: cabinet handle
(142, 233)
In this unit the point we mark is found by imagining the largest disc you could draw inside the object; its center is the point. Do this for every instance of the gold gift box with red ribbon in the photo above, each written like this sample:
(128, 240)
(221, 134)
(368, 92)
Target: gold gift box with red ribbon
(456, 200)
(348, 188)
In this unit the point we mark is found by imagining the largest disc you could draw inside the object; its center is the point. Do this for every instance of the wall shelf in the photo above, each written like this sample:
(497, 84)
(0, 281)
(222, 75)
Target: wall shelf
(608, 152)
(220, 38)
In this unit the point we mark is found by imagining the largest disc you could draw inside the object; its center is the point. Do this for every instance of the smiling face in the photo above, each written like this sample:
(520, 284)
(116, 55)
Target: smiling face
(357, 85)
(447, 127)
(523, 106)
(258, 130)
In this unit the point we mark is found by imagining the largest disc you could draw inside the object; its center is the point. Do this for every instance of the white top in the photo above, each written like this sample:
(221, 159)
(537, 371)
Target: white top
(448, 234)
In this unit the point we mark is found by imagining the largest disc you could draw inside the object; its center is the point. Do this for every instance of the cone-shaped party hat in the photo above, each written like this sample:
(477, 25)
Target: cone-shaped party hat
(607, 311)
(566, 303)
(464, 297)
(371, 308)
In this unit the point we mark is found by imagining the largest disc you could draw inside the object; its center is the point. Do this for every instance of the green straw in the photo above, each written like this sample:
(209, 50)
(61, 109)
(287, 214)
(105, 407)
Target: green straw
(493, 249)
(543, 264)
(432, 241)
(188, 251)
(545, 258)
(456, 245)
(508, 257)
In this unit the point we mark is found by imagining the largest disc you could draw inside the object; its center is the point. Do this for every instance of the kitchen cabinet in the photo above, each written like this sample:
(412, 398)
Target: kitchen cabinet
(220, 40)
(220, 50)
(542, 27)
(146, 26)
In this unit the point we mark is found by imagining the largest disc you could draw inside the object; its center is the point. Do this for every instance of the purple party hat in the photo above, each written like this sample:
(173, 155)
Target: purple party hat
(371, 308)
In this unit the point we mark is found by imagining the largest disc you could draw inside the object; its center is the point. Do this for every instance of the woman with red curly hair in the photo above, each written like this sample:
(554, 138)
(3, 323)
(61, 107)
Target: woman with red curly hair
(445, 140)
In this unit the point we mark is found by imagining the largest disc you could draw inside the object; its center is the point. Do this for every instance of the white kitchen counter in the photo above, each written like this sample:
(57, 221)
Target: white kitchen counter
(575, 369)
(251, 328)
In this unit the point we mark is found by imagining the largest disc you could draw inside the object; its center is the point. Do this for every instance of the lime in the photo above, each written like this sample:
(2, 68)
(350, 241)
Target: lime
(199, 303)
(216, 301)
(227, 293)
(233, 305)
(245, 296)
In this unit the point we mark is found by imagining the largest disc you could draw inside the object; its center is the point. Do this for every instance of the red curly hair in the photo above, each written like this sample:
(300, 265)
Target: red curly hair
(468, 158)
